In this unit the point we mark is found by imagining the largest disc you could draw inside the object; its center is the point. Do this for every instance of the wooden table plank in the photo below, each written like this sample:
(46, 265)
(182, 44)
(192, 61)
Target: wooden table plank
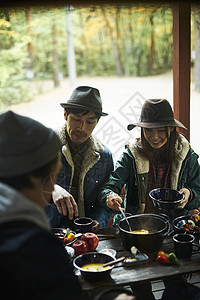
(123, 276)
(149, 271)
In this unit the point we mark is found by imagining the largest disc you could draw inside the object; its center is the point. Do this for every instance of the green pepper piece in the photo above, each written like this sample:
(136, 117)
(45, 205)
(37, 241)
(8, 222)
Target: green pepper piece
(173, 259)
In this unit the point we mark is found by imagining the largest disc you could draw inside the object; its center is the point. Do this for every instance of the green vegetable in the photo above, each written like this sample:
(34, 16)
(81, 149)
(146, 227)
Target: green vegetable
(173, 259)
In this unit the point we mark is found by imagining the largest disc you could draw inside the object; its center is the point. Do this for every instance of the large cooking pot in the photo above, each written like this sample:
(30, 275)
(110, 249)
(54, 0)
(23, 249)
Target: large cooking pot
(146, 243)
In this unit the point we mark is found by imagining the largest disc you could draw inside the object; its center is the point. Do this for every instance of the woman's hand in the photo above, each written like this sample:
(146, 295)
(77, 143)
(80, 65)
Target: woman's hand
(114, 201)
(186, 194)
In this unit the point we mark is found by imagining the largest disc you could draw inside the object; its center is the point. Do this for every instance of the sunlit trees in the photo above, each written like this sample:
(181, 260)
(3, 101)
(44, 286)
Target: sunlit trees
(107, 41)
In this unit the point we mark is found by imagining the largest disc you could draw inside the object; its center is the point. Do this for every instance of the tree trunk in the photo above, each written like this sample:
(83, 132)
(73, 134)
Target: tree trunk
(29, 64)
(70, 48)
(114, 45)
(132, 53)
(152, 50)
(84, 41)
(125, 50)
(119, 40)
(55, 56)
(197, 51)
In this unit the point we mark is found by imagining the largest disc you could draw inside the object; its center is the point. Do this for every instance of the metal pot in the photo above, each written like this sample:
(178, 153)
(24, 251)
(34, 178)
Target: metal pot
(146, 243)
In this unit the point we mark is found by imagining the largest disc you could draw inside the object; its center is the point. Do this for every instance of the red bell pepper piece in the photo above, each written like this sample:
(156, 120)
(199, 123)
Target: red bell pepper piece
(163, 260)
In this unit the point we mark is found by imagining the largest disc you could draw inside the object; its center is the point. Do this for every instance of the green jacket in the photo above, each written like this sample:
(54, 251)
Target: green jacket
(132, 169)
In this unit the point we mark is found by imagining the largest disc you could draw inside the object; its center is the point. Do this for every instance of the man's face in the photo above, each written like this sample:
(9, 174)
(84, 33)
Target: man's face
(80, 127)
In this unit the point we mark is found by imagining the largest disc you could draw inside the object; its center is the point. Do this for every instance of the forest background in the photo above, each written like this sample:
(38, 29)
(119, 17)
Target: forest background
(39, 44)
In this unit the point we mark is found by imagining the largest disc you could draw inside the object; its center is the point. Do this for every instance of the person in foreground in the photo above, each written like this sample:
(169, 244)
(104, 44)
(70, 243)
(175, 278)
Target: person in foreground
(33, 262)
(160, 158)
(86, 163)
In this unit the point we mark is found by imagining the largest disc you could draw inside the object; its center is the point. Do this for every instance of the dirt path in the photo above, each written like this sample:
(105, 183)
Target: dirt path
(122, 99)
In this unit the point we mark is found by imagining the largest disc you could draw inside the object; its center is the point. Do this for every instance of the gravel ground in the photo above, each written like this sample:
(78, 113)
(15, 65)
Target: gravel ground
(122, 98)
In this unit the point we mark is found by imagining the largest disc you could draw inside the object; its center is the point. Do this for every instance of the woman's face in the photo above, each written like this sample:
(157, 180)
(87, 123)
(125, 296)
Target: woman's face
(156, 137)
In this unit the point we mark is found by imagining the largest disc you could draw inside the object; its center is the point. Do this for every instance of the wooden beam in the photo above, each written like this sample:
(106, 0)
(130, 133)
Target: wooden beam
(181, 63)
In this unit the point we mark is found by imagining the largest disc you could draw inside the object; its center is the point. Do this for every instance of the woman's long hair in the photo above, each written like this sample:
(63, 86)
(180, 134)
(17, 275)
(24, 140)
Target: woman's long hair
(145, 149)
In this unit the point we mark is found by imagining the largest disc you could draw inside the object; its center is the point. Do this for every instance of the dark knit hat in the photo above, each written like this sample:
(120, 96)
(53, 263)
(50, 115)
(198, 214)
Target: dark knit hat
(156, 113)
(85, 97)
(25, 145)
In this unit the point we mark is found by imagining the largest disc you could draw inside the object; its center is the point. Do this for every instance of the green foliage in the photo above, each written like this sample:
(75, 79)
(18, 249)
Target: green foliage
(15, 91)
(131, 32)
(136, 39)
(15, 58)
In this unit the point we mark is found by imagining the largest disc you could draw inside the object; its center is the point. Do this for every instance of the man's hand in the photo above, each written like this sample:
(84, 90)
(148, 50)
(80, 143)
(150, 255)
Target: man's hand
(64, 202)
(95, 226)
(186, 194)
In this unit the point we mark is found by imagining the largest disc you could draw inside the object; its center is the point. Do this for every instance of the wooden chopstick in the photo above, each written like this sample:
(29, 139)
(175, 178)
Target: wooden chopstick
(113, 262)
(106, 235)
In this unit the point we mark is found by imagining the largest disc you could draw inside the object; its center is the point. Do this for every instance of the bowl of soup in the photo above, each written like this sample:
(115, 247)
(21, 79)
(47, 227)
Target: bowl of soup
(91, 265)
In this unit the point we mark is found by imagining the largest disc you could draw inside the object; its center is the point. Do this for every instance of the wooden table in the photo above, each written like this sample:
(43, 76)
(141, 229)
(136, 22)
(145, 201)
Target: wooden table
(149, 271)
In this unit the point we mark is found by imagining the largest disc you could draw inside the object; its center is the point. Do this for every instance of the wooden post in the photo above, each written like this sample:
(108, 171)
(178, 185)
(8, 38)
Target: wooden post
(181, 63)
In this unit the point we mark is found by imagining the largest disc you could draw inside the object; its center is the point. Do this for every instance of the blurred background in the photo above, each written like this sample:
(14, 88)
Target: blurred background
(124, 51)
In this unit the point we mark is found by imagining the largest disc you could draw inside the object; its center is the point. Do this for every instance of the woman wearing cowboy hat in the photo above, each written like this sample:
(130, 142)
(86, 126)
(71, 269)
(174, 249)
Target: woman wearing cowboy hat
(161, 157)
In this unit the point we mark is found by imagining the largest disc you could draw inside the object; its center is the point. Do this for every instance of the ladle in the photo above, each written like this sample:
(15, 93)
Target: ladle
(123, 214)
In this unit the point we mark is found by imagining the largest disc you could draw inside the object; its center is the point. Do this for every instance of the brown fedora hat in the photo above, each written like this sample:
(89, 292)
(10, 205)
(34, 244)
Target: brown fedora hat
(156, 113)
(87, 98)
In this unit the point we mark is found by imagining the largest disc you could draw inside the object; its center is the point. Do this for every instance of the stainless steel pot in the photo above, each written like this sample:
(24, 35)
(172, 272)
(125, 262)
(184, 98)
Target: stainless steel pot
(147, 243)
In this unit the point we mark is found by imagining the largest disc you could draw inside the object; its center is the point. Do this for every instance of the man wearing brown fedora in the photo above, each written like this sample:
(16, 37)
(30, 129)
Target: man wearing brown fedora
(86, 163)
